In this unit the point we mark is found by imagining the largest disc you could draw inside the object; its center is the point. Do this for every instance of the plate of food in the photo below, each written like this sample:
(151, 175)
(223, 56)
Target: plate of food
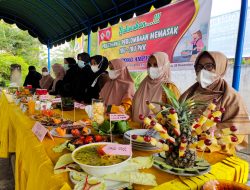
(70, 131)
(79, 179)
(87, 139)
(140, 139)
(94, 161)
(49, 118)
(200, 167)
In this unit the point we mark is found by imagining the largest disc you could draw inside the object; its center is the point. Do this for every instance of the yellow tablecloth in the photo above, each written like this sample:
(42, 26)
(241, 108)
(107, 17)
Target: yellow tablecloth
(35, 160)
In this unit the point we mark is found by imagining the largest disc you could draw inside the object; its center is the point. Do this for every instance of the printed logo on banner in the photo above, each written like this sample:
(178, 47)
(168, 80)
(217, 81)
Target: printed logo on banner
(105, 35)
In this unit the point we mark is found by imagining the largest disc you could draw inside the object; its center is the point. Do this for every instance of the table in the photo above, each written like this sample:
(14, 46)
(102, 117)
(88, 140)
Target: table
(35, 160)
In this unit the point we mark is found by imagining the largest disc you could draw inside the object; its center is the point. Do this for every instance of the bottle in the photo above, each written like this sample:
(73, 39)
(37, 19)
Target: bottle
(31, 106)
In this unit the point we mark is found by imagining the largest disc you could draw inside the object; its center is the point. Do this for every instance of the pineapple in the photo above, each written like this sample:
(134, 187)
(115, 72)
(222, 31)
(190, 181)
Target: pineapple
(179, 118)
(181, 124)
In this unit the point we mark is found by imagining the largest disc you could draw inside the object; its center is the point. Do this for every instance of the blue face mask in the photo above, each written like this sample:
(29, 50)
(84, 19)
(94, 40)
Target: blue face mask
(81, 64)
(66, 67)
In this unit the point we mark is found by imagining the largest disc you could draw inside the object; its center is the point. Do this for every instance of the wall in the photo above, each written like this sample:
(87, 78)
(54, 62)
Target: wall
(185, 78)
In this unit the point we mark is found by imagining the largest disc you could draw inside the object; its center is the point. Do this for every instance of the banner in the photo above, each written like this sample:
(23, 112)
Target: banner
(180, 30)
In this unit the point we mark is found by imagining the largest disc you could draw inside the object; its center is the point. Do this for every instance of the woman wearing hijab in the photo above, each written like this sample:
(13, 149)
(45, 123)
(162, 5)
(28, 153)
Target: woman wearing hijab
(210, 67)
(99, 65)
(66, 88)
(59, 74)
(84, 77)
(119, 90)
(33, 78)
(47, 80)
(150, 88)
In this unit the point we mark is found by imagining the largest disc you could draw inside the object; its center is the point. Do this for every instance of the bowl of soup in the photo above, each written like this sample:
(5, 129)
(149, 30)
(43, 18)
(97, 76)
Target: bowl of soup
(92, 162)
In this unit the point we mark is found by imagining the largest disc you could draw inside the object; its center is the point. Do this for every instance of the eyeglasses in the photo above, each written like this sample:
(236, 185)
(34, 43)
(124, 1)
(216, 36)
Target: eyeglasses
(206, 66)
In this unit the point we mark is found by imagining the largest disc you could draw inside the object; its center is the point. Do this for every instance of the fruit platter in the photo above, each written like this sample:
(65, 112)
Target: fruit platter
(70, 130)
(50, 118)
(184, 129)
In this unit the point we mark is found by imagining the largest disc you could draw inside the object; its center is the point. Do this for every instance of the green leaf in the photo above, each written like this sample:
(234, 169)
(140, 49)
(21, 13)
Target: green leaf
(171, 96)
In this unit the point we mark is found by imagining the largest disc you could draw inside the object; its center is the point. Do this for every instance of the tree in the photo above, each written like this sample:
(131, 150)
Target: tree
(19, 43)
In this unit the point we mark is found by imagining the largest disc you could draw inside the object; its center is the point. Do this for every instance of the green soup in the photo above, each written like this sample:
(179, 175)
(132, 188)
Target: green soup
(90, 156)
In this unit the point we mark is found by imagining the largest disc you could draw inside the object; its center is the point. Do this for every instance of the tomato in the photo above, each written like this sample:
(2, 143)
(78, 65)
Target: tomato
(79, 141)
(100, 151)
(75, 132)
(89, 139)
(98, 138)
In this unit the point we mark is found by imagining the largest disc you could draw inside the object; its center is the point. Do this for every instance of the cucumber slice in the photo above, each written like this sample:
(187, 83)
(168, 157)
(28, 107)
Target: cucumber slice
(201, 169)
(162, 165)
(203, 164)
(178, 170)
(192, 170)
(199, 160)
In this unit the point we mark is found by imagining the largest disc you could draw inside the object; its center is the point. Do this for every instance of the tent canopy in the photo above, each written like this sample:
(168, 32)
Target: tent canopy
(55, 21)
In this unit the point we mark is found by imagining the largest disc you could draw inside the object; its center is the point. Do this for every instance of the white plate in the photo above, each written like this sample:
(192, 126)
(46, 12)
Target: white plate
(111, 185)
(140, 132)
(140, 145)
(55, 134)
(156, 157)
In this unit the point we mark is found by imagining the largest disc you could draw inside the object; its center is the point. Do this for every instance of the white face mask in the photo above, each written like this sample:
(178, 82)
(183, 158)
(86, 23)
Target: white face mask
(206, 78)
(45, 73)
(81, 63)
(66, 67)
(94, 68)
(113, 74)
(154, 72)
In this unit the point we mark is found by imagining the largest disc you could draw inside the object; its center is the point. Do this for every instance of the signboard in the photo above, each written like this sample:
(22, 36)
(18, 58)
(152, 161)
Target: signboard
(180, 30)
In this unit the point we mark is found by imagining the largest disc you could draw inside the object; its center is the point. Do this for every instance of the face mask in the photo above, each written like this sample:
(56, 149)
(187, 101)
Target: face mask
(205, 78)
(154, 72)
(94, 68)
(66, 67)
(113, 74)
(45, 73)
(81, 64)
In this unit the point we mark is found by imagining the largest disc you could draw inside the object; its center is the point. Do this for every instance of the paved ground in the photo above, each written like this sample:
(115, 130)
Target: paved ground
(6, 175)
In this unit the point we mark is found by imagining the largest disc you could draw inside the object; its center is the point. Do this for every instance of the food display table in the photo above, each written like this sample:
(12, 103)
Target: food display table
(35, 160)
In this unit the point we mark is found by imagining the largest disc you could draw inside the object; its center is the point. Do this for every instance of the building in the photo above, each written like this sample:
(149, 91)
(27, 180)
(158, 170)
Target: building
(223, 34)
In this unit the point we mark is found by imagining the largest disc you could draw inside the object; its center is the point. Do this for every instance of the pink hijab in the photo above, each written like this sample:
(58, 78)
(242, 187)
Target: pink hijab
(150, 89)
(114, 91)
(59, 74)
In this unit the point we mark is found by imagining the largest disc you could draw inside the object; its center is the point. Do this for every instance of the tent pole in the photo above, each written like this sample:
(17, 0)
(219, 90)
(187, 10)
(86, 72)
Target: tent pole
(48, 57)
(240, 43)
(89, 42)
